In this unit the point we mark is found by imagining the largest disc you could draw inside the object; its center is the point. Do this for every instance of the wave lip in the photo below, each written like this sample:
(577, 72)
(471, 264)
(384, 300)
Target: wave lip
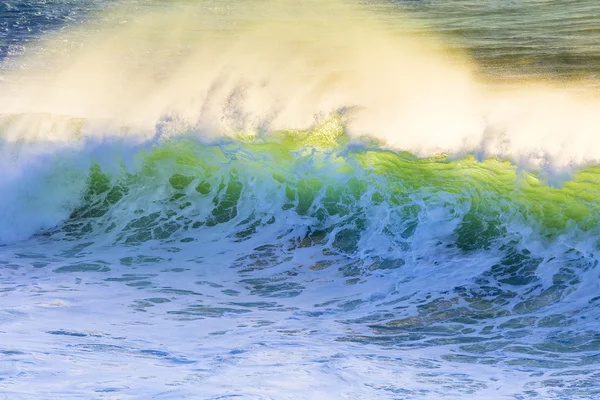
(272, 66)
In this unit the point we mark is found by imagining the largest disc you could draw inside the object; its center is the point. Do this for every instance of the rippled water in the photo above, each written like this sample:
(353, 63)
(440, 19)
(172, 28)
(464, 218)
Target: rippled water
(171, 226)
(554, 39)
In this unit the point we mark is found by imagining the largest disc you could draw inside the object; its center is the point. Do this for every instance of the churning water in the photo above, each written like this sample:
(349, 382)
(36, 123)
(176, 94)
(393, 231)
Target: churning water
(299, 200)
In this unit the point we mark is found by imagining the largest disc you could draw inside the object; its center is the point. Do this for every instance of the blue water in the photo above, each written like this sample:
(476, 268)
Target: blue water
(280, 200)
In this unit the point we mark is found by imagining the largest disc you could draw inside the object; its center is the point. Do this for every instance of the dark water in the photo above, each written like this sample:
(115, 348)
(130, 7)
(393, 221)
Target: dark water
(548, 39)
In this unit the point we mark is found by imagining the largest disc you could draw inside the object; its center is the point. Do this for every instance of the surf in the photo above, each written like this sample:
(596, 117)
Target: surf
(259, 193)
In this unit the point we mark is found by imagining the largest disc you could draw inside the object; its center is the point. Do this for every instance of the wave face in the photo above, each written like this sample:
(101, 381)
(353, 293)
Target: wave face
(276, 200)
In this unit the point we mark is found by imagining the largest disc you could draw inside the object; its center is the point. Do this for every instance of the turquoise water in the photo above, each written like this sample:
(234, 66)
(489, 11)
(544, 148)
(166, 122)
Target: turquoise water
(271, 200)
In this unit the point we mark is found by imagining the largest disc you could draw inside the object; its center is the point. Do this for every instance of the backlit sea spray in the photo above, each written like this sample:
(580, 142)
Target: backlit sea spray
(299, 200)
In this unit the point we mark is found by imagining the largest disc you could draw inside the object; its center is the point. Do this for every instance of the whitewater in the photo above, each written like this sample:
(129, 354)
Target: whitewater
(299, 200)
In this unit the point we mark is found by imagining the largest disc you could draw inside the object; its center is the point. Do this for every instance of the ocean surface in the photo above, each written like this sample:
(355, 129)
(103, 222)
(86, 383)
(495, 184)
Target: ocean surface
(282, 199)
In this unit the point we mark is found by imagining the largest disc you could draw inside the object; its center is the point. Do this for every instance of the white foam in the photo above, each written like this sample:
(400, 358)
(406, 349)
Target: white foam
(275, 65)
